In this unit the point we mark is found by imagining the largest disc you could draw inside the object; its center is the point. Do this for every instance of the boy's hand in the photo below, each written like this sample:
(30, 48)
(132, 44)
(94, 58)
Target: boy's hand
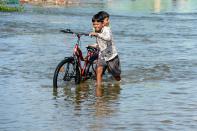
(93, 34)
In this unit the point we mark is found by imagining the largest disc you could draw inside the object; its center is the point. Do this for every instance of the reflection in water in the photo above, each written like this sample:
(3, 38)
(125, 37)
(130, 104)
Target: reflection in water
(82, 93)
(158, 56)
(105, 96)
(101, 99)
(86, 89)
(109, 89)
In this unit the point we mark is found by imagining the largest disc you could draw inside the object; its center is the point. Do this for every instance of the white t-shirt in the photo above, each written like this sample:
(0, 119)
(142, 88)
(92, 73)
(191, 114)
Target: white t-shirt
(107, 49)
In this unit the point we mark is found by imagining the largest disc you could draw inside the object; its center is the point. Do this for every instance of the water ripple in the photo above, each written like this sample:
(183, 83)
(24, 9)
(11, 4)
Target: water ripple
(158, 60)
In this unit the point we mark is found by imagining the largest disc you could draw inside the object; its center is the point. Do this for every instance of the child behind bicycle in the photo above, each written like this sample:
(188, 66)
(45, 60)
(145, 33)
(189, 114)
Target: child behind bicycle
(108, 55)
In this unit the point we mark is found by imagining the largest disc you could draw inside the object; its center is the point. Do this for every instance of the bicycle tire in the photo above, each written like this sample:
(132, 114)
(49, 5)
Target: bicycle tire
(69, 70)
(94, 68)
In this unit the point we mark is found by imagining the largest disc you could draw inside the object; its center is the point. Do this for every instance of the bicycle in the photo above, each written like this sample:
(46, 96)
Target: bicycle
(70, 68)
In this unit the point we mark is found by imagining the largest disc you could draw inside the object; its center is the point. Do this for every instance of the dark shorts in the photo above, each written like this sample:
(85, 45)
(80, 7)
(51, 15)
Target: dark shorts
(113, 65)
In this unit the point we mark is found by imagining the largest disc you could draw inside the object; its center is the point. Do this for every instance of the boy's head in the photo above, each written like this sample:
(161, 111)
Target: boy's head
(97, 21)
(105, 16)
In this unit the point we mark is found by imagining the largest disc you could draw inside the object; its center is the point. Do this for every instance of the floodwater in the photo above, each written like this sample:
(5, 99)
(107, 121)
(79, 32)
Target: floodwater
(156, 41)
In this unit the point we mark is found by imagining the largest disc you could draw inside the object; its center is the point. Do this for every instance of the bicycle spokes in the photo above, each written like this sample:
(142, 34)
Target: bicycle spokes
(65, 73)
(69, 72)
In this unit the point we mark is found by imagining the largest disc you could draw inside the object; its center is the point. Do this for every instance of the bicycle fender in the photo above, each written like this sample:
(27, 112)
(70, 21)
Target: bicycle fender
(69, 58)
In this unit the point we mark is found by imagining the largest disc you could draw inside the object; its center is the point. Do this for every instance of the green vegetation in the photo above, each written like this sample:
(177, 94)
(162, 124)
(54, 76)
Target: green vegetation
(9, 1)
(6, 7)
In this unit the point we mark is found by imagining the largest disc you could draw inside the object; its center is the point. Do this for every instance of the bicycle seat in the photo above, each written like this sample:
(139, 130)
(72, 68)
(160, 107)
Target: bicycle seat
(91, 48)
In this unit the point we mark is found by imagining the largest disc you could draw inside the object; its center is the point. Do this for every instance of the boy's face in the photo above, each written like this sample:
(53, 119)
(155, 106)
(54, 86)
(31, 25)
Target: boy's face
(106, 21)
(98, 26)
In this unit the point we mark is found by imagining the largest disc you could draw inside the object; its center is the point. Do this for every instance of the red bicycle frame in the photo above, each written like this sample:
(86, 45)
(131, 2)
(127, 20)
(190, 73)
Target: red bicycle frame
(77, 53)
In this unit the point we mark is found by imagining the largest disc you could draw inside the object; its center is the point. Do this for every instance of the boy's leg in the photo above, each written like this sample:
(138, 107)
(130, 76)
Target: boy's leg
(114, 67)
(99, 75)
(99, 71)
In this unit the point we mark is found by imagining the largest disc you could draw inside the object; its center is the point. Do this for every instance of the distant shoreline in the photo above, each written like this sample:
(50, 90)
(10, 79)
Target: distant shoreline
(50, 2)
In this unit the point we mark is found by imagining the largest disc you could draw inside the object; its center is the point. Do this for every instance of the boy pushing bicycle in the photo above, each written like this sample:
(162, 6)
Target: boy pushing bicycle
(108, 55)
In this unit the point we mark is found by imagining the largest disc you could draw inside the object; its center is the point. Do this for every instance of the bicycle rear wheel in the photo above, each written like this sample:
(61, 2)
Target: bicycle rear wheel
(91, 71)
(67, 73)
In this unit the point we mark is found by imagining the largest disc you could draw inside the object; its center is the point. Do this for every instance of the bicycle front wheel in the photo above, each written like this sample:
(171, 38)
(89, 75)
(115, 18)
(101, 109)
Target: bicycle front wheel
(67, 73)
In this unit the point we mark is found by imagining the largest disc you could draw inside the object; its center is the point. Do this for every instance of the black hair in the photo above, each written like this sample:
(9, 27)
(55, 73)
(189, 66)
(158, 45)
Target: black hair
(103, 14)
(97, 18)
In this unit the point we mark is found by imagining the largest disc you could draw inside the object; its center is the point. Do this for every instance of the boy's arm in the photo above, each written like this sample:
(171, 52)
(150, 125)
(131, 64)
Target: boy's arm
(105, 35)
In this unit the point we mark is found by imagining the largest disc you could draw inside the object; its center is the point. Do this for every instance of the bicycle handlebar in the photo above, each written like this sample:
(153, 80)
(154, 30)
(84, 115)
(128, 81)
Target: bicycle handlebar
(72, 32)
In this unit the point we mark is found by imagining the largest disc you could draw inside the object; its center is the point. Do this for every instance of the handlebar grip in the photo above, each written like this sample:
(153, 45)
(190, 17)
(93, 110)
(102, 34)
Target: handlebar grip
(85, 34)
(71, 32)
(66, 31)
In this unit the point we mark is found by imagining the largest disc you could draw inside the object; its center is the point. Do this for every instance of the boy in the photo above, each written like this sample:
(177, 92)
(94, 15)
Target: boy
(108, 56)
(105, 16)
